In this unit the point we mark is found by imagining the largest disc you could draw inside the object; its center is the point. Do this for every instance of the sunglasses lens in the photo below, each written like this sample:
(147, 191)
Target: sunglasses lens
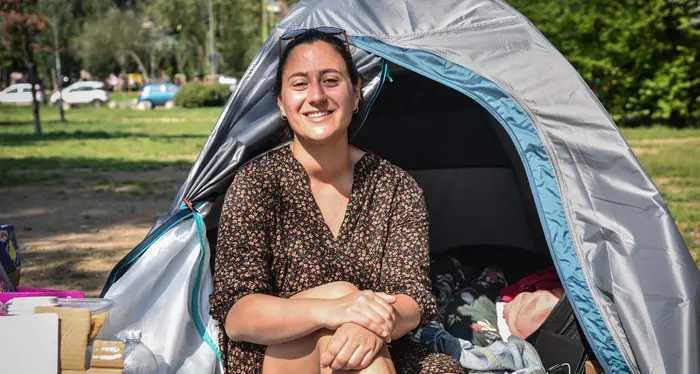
(330, 30)
(292, 34)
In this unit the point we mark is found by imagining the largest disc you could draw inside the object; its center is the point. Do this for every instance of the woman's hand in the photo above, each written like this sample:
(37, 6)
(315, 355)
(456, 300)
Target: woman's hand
(352, 347)
(371, 310)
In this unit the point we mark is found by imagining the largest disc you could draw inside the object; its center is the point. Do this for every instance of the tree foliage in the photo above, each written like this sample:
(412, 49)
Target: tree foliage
(20, 26)
(641, 57)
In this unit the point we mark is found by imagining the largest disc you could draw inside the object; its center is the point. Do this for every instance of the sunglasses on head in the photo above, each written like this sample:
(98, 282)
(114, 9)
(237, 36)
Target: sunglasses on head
(291, 35)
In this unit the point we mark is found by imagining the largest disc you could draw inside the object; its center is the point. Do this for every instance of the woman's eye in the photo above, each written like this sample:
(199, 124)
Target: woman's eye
(299, 84)
(330, 81)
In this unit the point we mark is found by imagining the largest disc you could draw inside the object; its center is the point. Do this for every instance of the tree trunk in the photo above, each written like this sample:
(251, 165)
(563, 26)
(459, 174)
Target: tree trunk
(31, 65)
(139, 64)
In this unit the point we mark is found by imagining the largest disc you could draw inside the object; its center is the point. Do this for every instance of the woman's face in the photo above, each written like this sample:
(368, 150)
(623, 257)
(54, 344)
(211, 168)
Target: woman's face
(317, 95)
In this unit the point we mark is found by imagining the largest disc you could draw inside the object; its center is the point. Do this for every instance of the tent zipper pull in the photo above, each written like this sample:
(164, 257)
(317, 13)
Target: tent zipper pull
(558, 367)
(189, 205)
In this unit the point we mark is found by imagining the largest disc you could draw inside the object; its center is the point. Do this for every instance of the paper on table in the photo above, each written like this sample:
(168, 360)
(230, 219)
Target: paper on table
(29, 344)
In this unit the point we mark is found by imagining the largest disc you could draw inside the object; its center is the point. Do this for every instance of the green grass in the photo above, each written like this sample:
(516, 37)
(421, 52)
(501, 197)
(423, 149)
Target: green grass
(672, 158)
(123, 96)
(105, 140)
(99, 139)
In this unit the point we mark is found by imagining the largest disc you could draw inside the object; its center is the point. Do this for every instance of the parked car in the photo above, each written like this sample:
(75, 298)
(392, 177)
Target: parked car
(84, 92)
(156, 94)
(231, 82)
(20, 93)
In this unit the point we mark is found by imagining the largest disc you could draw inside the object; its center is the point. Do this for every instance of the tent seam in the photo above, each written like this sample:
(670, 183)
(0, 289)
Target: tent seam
(511, 20)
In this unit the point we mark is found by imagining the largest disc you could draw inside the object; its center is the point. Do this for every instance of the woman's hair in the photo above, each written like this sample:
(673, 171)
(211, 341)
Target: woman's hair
(310, 37)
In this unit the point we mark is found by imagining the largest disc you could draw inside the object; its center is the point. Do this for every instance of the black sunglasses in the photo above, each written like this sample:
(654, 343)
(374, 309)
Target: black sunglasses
(291, 35)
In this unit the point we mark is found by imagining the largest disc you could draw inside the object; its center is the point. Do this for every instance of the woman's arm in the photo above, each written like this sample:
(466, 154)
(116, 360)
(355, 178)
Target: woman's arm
(406, 263)
(264, 319)
(408, 315)
(273, 320)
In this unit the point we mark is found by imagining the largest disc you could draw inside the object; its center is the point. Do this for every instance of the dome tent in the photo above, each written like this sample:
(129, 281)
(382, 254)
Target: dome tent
(507, 142)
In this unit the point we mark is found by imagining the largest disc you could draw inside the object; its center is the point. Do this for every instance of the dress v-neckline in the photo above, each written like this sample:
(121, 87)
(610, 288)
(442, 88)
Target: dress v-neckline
(335, 238)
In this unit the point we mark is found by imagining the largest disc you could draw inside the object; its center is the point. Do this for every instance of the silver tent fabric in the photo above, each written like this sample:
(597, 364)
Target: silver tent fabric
(639, 270)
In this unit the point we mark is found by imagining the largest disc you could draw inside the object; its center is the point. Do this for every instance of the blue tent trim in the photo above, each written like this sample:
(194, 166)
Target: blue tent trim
(540, 174)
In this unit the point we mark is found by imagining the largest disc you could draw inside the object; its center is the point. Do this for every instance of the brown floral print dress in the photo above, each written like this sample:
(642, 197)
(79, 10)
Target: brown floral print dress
(273, 240)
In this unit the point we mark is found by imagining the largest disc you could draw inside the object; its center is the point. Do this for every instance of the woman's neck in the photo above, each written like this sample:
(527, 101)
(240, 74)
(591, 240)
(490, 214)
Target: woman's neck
(324, 162)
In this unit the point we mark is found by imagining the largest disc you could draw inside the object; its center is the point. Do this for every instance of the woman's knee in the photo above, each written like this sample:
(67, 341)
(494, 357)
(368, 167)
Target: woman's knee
(333, 290)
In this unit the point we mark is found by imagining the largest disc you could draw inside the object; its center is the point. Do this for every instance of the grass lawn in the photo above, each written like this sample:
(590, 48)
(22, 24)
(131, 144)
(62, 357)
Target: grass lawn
(123, 96)
(108, 140)
(99, 139)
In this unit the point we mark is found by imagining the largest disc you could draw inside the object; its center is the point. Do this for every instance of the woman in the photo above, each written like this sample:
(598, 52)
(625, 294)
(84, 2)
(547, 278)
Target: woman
(322, 258)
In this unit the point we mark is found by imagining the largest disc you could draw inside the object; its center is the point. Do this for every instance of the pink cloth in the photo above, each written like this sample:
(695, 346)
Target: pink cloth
(528, 310)
(32, 292)
(547, 279)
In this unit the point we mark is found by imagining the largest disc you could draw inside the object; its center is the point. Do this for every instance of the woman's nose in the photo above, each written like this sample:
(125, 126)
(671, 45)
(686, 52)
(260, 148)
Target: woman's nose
(316, 93)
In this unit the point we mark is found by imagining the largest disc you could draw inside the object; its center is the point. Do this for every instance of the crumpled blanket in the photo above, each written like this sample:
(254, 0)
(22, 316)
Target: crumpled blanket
(516, 356)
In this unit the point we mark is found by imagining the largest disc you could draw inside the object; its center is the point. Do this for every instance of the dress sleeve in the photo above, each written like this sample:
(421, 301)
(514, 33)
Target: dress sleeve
(406, 263)
(242, 264)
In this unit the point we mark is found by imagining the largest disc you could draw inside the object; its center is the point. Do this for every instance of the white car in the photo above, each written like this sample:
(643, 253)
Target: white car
(20, 93)
(88, 92)
(231, 82)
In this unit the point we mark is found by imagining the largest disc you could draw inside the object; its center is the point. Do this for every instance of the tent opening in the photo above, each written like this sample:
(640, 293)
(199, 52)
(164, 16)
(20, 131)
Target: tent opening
(475, 185)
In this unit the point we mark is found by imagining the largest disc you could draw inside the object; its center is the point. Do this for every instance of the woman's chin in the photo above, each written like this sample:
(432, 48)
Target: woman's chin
(319, 134)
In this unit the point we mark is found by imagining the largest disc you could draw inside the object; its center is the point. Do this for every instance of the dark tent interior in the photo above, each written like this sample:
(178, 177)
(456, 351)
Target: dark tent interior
(476, 189)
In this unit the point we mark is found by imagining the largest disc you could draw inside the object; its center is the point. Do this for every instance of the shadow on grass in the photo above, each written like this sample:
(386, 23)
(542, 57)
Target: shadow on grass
(61, 268)
(16, 171)
(43, 123)
(24, 139)
(95, 164)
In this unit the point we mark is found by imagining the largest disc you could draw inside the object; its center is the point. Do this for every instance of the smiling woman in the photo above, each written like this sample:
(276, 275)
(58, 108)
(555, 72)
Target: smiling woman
(323, 247)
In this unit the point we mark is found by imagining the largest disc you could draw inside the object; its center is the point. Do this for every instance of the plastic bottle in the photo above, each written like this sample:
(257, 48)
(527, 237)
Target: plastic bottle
(139, 359)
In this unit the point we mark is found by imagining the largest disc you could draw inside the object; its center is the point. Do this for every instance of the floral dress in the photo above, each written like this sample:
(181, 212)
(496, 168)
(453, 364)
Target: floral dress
(273, 240)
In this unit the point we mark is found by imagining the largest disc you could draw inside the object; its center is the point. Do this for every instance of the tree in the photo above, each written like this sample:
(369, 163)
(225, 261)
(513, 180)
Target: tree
(641, 57)
(124, 42)
(20, 25)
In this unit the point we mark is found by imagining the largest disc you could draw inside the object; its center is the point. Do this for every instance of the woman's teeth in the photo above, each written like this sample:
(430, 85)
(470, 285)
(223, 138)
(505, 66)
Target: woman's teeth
(318, 114)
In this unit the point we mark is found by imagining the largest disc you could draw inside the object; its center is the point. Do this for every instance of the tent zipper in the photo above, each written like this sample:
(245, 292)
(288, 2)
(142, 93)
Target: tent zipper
(384, 77)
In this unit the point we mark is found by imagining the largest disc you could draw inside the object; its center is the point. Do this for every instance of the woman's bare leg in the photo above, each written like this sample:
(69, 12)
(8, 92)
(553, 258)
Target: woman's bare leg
(303, 355)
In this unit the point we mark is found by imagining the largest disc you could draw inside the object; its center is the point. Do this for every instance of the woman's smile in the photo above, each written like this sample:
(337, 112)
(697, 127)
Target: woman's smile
(319, 115)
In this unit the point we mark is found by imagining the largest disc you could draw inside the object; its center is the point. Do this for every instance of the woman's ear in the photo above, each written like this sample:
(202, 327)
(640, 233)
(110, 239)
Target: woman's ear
(279, 105)
(357, 93)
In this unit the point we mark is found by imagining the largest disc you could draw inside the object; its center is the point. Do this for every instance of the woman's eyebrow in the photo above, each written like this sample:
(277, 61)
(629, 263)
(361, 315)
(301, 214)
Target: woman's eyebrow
(330, 70)
(321, 72)
(298, 74)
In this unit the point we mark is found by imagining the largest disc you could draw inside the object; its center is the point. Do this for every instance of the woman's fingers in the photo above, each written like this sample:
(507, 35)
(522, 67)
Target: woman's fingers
(333, 348)
(355, 361)
(383, 303)
(344, 355)
(368, 359)
(370, 325)
(388, 298)
(387, 318)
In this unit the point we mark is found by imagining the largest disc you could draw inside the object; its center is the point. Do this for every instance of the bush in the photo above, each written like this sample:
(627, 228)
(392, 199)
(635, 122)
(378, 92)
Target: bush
(197, 94)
